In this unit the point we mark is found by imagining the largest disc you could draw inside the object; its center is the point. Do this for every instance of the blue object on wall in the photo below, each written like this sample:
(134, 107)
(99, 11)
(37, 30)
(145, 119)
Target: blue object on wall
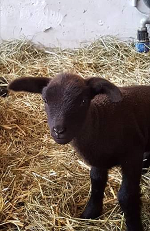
(142, 46)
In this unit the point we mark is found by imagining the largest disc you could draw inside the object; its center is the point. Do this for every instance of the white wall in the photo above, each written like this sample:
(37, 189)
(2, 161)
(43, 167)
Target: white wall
(67, 23)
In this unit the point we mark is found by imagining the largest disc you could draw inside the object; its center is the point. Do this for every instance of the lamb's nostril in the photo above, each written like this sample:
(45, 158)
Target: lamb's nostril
(59, 130)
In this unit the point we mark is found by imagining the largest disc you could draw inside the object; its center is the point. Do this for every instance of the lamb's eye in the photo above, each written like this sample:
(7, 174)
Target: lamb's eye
(83, 102)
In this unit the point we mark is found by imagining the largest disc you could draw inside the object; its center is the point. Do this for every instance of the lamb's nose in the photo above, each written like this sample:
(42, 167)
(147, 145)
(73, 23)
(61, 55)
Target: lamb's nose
(59, 130)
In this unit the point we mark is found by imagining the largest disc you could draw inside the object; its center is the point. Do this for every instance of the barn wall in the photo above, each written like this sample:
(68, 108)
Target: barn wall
(67, 23)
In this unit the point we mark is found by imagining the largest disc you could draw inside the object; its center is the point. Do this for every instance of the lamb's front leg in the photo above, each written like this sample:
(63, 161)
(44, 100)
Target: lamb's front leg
(98, 182)
(129, 194)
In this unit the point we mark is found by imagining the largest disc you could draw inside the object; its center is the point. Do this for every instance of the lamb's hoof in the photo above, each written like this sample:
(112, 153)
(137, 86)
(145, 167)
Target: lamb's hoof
(86, 215)
(3, 87)
(91, 212)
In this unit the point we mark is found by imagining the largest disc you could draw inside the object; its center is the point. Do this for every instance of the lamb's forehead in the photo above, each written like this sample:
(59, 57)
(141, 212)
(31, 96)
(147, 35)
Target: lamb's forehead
(67, 82)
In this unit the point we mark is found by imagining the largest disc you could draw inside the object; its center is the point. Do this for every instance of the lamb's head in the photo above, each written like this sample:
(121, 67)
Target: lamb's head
(67, 100)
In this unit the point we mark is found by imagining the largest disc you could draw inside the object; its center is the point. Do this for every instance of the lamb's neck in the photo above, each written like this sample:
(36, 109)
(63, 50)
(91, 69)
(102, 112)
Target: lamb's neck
(91, 124)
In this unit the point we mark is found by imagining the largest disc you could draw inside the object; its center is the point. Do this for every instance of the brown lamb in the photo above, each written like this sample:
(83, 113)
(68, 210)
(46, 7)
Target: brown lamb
(107, 125)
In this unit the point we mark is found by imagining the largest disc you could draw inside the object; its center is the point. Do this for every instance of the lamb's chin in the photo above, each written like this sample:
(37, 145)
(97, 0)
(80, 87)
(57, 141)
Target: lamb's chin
(62, 140)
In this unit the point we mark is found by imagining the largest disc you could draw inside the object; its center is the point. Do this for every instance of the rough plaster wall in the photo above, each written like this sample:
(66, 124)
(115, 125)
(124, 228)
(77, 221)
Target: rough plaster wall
(67, 23)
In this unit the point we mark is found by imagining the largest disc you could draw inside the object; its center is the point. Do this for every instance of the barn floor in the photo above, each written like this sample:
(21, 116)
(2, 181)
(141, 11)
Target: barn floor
(44, 186)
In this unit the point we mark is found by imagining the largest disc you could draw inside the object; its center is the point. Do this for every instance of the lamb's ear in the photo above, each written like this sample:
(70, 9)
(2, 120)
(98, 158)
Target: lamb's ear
(103, 86)
(29, 84)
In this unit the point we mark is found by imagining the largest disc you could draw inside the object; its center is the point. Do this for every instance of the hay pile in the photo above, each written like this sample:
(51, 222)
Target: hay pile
(45, 186)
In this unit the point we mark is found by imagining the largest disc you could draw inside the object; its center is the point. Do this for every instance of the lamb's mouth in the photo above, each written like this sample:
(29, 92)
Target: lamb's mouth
(62, 140)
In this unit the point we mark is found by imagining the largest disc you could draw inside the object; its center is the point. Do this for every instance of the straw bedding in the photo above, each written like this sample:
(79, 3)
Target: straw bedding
(45, 186)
